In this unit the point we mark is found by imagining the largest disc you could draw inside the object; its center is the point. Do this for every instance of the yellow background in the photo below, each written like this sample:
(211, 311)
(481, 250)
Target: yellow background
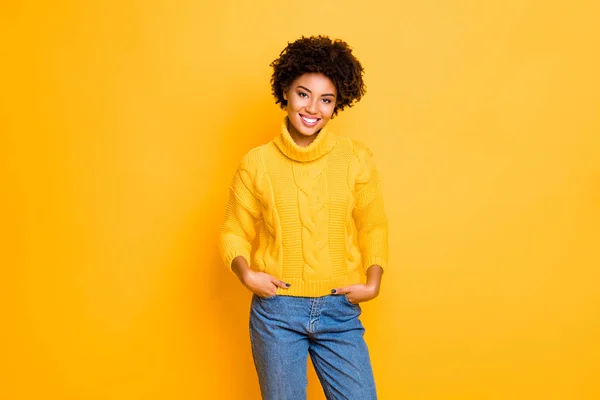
(122, 124)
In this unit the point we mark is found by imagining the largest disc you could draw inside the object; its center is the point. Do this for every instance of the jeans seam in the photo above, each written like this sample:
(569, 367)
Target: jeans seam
(324, 382)
(251, 336)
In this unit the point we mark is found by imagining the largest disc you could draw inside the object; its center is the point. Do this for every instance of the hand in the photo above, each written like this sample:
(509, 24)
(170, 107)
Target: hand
(261, 283)
(358, 293)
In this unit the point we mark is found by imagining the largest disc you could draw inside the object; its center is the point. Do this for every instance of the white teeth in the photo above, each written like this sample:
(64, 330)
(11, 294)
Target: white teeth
(310, 121)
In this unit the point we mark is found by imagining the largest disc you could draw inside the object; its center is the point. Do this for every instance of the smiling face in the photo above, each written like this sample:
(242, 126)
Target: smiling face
(311, 101)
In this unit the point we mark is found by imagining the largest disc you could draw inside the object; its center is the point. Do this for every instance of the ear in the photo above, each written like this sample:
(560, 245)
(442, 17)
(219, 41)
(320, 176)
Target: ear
(285, 96)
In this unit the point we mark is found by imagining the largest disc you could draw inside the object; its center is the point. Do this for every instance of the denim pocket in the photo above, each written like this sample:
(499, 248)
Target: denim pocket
(348, 301)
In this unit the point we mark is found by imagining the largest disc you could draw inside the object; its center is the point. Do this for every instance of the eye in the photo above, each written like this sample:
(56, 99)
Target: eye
(302, 94)
(327, 101)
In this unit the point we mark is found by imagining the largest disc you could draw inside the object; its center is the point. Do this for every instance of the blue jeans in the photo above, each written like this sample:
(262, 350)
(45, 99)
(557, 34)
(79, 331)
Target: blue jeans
(285, 329)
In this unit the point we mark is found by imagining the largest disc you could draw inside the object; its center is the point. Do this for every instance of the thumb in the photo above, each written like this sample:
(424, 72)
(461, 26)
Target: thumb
(342, 290)
(280, 283)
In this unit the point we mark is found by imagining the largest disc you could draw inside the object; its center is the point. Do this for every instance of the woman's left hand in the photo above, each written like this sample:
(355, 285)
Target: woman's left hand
(358, 293)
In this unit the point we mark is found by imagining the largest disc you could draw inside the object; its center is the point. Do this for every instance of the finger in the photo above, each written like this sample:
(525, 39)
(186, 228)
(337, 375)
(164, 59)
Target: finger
(342, 290)
(280, 283)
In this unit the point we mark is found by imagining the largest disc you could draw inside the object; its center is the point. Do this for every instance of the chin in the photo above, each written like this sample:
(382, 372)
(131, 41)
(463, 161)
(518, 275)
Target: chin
(312, 132)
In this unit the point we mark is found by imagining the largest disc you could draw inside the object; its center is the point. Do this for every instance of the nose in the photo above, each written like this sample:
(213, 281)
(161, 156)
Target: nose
(311, 107)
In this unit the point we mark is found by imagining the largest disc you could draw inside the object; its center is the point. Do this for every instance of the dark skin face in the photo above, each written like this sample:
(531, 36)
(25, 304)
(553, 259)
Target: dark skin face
(311, 100)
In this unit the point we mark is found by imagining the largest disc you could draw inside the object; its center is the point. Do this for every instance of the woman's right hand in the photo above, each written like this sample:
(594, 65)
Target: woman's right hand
(261, 283)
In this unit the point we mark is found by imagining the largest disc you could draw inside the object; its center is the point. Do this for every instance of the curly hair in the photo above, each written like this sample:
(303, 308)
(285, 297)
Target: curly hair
(332, 58)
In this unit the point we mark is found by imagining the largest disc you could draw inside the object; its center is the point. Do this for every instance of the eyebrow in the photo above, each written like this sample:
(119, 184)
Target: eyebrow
(310, 91)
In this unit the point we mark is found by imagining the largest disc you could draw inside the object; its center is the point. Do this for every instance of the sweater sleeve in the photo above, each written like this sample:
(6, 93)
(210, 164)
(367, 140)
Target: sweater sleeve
(238, 230)
(369, 213)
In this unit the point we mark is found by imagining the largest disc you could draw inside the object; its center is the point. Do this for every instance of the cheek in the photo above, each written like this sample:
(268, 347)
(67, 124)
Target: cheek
(292, 103)
(328, 109)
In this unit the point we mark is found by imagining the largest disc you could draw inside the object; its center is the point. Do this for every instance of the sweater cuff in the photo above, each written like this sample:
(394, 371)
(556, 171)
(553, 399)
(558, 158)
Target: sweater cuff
(229, 256)
(374, 260)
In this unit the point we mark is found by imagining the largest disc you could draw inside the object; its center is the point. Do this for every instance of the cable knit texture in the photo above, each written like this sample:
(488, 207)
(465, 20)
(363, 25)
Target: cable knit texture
(317, 212)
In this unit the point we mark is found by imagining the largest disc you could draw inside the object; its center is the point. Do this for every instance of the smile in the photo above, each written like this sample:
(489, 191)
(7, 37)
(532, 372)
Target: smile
(309, 121)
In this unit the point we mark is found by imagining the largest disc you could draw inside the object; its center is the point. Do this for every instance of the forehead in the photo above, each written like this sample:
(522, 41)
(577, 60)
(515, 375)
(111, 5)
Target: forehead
(315, 82)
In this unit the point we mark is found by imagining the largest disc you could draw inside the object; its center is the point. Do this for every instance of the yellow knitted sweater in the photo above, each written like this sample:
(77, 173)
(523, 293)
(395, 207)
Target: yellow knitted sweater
(317, 210)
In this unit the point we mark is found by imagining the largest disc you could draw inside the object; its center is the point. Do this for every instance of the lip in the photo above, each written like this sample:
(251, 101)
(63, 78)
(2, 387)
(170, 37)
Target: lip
(308, 124)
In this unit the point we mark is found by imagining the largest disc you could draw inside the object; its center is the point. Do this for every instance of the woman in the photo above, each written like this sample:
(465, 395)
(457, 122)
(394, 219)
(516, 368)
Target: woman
(315, 202)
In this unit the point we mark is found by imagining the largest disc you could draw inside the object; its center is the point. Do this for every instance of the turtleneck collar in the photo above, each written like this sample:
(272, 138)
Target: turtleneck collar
(322, 144)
